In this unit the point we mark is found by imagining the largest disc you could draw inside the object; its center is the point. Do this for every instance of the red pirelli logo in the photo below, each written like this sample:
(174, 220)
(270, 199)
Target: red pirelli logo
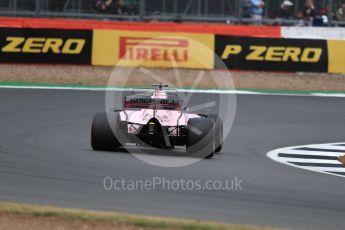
(154, 49)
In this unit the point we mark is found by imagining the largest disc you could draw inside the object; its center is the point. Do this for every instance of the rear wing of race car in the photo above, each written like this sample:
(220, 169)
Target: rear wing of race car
(146, 102)
(156, 87)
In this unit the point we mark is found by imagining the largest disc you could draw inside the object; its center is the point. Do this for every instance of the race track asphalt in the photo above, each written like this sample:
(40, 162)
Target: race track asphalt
(46, 158)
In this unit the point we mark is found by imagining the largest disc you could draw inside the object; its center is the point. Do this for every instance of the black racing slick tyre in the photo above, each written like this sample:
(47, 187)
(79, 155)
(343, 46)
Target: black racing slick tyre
(102, 137)
(200, 138)
(218, 129)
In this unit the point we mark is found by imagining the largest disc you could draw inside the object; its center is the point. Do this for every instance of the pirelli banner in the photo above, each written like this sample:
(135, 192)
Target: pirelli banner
(51, 46)
(153, 49)
(336, 56)
(272, 54)
(111, 47)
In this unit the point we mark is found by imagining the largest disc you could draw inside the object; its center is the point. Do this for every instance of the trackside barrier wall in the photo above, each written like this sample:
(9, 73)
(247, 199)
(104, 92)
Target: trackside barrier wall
(167, 45)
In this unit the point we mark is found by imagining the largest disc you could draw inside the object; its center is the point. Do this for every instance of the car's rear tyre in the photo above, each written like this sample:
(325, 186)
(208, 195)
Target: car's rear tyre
(102, 137)
(218, 129)
(200, 138)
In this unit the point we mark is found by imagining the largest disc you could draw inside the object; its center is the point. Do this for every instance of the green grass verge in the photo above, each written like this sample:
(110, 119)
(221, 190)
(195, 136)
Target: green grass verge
(117, 218)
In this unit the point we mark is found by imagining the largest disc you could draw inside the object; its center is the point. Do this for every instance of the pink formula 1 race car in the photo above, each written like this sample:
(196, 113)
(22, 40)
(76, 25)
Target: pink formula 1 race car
(155, 118)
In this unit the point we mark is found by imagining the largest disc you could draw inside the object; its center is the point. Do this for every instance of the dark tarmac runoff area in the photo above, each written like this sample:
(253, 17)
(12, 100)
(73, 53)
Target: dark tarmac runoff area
(46, 158)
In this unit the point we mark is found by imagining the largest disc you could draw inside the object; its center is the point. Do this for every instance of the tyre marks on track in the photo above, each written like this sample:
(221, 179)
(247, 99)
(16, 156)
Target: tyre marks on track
(323, 158)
